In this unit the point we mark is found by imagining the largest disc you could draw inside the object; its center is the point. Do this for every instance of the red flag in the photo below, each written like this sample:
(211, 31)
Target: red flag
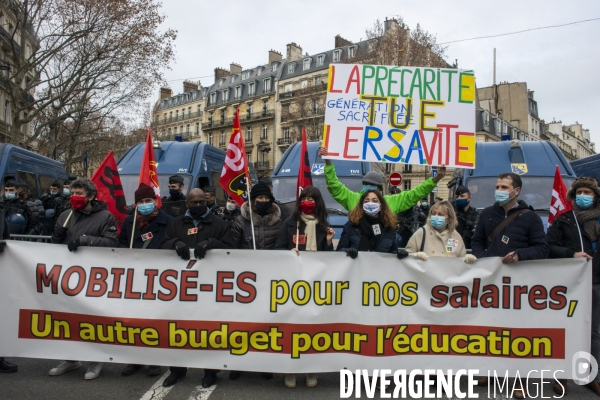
(304, 171)
(148, 173)
(107, 181)
(559, 203)
(235, 168)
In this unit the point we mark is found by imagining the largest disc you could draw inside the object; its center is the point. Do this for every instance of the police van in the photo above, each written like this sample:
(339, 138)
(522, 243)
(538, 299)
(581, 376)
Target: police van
(588, 167)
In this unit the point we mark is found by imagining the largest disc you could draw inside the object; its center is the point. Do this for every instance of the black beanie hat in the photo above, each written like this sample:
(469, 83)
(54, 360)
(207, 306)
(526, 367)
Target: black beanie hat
(261, 189)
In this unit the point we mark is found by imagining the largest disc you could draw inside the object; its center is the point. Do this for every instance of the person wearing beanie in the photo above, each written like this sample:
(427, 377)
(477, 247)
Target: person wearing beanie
(565, 238)
(266, 217)
(148, 233)
(374, 181)
(176, 187)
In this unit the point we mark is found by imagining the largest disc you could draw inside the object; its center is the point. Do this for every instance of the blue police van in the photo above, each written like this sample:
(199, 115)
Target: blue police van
(535, 162)
(26, 166)
(588, 167)
(285, 176)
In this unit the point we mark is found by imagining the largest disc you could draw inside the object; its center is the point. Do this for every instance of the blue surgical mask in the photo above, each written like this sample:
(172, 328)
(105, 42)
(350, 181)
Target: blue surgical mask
(424, 204)
(584, 201)
(146, 208)
(66, 191)
(437, 221)
(502, 197)
(10, 196)
(371, 209)
(367, 188)
(461, 203)
(54, 192)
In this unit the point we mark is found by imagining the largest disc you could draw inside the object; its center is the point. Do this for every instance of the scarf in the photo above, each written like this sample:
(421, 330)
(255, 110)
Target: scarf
(144, 220)
(310, 231)
(589, 220)
(369, 240)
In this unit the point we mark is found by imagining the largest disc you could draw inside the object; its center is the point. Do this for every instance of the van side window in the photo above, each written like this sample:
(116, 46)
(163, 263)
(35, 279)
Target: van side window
(220, 193)
(29, 178)
(202, 182)
(45, 182)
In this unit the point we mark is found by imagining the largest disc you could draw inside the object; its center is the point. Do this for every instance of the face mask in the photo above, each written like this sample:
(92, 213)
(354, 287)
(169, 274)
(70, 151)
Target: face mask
(461, 203)
(10, 196)
(424, 204)
(307, 207)
(197, 212)
(437, 221)
(54, 192)
(175, 194)
(146, 208)
(367, 188)
(262, 207)
(231, 206)
(78, 202)
(66, 191)
(502, 197)
(371, 209)
(584, 201)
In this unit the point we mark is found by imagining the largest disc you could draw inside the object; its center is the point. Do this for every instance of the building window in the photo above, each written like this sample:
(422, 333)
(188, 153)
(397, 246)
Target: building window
(189, 112)
(210, 139)
(317, 80)
(407, 184)
(187, 129)
(291, 67)
(320, 59)
(264, 134)
(304, 84)
(407, 168)
(351, 51)
(249, 134)
(225, 96)
(371, 45)
(232, 78)
(267, 85)
(287, 88)
(213, 98)
(286, 133)
(181, 130)
(337, 55)
(221, 82)
(176, 114)
(223, 116)
(274, 67)
(197, 128)
(251, 89)
(222, 139)
(306, 64)
(238, 92)
(165, 116)
(249, 109)
(258, 71)
(198, 110)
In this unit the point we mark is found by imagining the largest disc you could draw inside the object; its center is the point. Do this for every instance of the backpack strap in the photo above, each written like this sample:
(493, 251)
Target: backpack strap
(423, 239)
(504, 223)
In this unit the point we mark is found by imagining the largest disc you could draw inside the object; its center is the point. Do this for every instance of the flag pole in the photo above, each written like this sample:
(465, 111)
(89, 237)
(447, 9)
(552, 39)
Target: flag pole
(298, 222)
(578, 229)
(68, 218)
(133, 229)
(250, 208)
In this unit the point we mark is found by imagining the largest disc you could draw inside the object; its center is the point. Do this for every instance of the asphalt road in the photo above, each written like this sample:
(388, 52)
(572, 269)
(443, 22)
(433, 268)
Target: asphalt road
(33, 382)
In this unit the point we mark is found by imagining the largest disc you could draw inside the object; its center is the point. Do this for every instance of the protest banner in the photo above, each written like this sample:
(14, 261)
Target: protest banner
(408, 115)
(276, 311)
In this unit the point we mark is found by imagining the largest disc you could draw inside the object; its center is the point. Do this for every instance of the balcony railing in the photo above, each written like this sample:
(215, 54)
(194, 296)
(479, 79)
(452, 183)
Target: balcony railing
(262, 165)
(262, 114)
(248, 141)
(285, 141)
(183, 117)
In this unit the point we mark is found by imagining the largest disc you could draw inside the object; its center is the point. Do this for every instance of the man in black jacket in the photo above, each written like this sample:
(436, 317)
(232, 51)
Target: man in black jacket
(175, 189)
(201, 230)
(14, 204)
(5, 366)
(466, 215)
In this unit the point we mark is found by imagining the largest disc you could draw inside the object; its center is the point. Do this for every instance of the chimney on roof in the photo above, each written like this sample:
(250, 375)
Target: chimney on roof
(189, 86)
(390, 24)
(220, 73)
(341, 42)
(293, 52)
(274, 56)
(235, 68)
(165, 92)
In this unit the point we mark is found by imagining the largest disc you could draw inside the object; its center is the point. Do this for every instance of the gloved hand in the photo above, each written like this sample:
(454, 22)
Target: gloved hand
(401, 254)
(2, 245)
(74, 244)
(182, 250)
(60, 232)
(421, 256)
(200, 250)
(470, 258)
(352, 253)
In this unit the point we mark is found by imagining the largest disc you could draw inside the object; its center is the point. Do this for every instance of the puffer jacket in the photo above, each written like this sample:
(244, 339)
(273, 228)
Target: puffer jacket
(352, 233)
(265, 228)
(94, 227)
(158, 228)
(564, 241)
(524, 235)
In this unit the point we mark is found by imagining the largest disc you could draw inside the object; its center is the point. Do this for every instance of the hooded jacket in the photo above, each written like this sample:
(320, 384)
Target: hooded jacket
(287, 231)
(158, 228)
(266, 228)
(212, 230)
(94, 227)
(524, 234)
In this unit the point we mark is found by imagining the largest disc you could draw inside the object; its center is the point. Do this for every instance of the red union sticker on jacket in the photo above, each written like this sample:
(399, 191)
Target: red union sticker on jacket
(192, 231)
(404, 115)
(147, 236)
(299, 239)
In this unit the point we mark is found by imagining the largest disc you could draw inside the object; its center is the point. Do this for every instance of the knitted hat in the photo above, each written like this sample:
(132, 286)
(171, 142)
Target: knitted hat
(373, 178)
(209, 189)
(589, 183)
(144, 192)
(176, 179)
(261, 189)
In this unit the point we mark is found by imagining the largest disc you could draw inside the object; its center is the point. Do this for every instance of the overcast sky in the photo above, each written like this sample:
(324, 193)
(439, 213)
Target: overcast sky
(560, 64)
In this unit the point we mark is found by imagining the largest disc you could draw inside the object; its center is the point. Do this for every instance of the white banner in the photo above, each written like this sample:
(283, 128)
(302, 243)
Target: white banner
(275, 311)
(407, 115)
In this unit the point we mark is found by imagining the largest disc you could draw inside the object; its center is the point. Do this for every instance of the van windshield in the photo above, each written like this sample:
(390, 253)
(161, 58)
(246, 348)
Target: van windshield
(284, 188)
(130, 185)
(536, 191)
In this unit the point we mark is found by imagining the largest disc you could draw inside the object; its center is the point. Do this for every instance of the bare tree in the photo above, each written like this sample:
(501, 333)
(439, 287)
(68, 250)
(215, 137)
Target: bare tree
(307, 111)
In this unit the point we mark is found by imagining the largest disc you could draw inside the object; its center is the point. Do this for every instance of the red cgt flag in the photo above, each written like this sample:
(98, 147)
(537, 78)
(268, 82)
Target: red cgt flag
(148, 173)
(107, 181)
(559, 203)
(304, 171)
(235, 168)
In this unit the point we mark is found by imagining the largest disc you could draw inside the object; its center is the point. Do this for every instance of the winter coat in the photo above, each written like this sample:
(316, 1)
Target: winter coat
(397, 202)
(437, 244)
(287, 231)
(4, 233)
(212, 231)
(229, 217)
(467, 221)
(351, 235)
(524, 234)
(564, 241)
(266, 228)
(94, 227)
(19, 206)
(158, 228)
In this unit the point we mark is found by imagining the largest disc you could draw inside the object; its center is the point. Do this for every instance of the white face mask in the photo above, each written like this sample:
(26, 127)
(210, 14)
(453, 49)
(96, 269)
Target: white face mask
(231, 206)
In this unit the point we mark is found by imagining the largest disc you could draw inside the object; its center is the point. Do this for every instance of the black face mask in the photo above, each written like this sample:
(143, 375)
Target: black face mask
(175, 194)
(198, 212)
(263, 207)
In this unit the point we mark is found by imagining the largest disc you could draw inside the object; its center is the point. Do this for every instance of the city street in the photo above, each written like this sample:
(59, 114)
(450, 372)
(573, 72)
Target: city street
(32, 382)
